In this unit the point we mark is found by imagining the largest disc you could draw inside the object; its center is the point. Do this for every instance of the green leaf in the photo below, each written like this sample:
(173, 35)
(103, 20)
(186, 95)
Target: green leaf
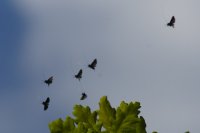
(141, 126)
(88, 118)
(106, 113)
(68, 124)
(127, 118)
(80, 128)
(56, 126)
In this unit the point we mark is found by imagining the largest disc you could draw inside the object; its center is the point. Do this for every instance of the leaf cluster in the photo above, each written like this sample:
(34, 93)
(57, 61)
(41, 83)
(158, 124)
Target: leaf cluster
(123, 119)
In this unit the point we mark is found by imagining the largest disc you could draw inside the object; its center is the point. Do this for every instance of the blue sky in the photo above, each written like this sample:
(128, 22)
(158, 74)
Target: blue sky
(139, 59)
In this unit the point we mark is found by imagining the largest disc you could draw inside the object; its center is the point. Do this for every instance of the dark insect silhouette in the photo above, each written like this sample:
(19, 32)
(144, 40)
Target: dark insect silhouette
(84, 96)
(49, 81)
(46, 103)
(172, 21)
(79, 74)
(93, 64)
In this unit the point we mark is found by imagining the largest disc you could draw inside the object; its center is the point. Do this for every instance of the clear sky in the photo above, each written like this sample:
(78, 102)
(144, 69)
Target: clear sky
(139, 59)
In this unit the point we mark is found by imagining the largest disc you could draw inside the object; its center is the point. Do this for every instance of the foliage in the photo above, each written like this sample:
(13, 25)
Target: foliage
(124, 119)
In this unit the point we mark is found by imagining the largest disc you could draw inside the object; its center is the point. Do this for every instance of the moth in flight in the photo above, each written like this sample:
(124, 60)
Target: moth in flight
(172, 22)
(84, 96)
(93, 64)
(49, 81)
(79, 74)
(46, 103)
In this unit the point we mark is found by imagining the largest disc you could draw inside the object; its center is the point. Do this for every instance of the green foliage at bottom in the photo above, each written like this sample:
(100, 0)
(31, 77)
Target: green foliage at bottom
(123, 119)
